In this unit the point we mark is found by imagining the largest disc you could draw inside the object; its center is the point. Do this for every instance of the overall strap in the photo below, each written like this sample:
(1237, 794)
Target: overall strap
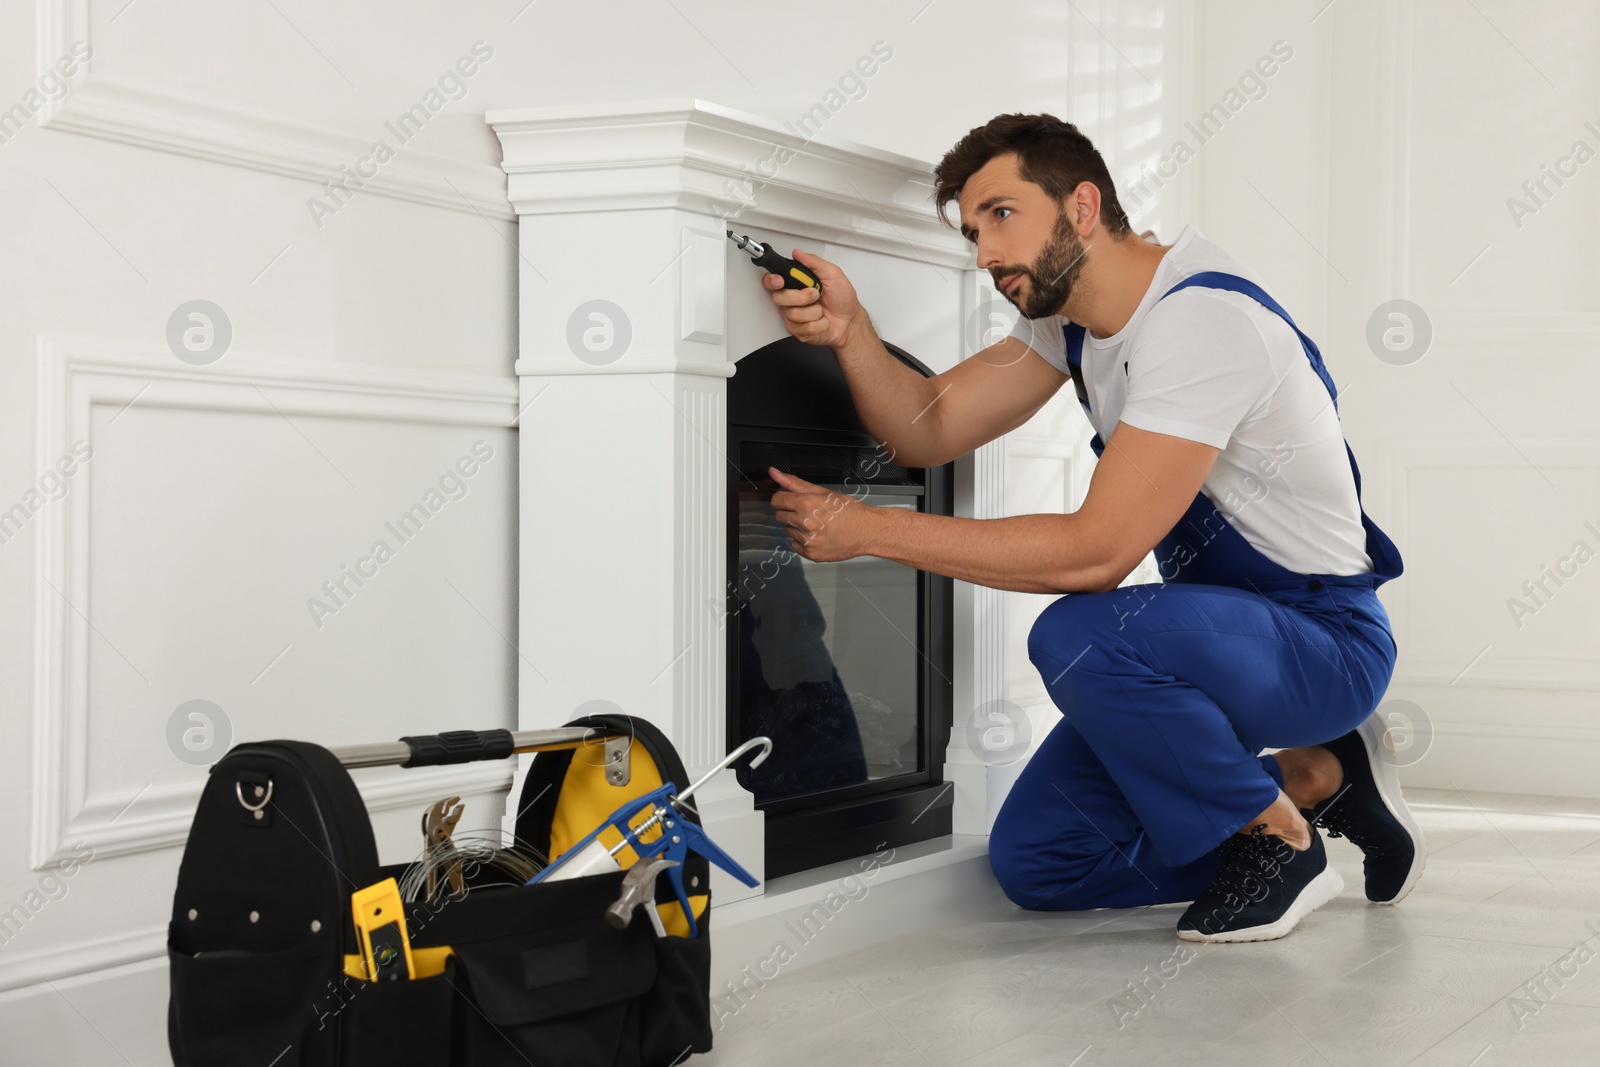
(1385, 556)
(1216, 279)
(1386, 560)
(1074, 338)
(1211, 279)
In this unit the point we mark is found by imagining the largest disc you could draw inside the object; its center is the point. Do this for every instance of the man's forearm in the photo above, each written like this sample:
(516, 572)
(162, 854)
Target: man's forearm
(892, 399)
(1026, 553)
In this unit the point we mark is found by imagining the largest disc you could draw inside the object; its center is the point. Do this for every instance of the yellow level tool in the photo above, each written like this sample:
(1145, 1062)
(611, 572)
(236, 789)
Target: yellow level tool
(386, 952)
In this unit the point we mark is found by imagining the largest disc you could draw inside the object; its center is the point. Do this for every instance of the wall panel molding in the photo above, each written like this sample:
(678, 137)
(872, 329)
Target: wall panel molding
(1520, 324)
(1398, 461)
(50, 963)
(1402, 118)
(1546, 761)
(148, 116)
(75, 375)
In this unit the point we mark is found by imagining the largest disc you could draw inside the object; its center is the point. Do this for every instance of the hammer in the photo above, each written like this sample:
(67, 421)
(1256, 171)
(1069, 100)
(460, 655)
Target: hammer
(639, 887)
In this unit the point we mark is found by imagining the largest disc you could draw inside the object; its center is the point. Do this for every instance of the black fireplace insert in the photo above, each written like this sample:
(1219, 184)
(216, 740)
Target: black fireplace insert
(846, 665)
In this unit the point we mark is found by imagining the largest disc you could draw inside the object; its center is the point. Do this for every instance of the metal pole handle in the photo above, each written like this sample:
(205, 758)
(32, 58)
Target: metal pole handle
(467, 746)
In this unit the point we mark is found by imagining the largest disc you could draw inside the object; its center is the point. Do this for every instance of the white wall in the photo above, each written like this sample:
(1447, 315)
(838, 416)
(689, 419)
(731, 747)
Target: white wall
(368, 353)
(371, 351)
(1383, 172)
(1380, 163)
(366, 358)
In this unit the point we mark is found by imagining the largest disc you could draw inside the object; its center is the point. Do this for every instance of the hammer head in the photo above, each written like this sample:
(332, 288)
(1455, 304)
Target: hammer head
(638, 887)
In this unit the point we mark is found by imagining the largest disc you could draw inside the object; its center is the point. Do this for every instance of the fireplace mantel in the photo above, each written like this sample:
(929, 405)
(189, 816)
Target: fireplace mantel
(622, 209)
(668, 154)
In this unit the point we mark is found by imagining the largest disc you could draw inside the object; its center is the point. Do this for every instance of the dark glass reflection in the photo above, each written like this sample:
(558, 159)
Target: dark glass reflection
(828, 665)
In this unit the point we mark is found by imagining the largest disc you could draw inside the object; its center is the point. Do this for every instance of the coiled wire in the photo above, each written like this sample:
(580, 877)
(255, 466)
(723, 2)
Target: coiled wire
(483, 849)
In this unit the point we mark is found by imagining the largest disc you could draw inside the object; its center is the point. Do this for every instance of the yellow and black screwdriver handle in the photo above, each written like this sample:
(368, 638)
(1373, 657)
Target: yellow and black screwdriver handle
(793, 274)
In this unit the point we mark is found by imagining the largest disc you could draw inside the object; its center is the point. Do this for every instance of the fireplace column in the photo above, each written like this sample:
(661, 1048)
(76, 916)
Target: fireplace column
(622, 487)
(980, 769)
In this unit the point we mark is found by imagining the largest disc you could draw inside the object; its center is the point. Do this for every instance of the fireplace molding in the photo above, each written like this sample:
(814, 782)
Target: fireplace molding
(622, 482)
(683, 153)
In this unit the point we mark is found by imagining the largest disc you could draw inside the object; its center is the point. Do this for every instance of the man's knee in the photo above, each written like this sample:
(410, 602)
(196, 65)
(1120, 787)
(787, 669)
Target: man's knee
(1065, 627)
(1026, 887)
(1033, 877)
(1052, 621)
(1019, 878)
(1075, 646)
(1078, 620)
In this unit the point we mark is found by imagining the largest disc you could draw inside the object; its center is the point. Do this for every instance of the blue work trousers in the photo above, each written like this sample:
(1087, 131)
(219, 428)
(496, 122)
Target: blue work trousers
(1168, 693)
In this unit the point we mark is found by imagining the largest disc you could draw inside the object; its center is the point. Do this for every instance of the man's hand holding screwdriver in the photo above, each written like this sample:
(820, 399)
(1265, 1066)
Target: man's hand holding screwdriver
(830, 317)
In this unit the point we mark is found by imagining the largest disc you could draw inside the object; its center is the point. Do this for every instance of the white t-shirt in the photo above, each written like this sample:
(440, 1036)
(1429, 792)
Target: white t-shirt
(1214, 366)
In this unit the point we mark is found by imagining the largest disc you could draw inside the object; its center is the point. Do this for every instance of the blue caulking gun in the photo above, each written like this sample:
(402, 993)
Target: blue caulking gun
(677, 838)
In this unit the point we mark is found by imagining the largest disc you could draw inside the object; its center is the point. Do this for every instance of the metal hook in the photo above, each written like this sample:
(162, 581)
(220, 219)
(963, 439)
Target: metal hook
(764, 743)
(238, 791)
(676, 799)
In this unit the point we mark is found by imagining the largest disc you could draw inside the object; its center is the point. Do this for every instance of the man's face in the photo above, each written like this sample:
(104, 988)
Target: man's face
(1025, 240)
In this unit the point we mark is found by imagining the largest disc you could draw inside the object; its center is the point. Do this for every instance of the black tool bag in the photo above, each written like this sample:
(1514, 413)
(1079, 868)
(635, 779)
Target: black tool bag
(262, 923)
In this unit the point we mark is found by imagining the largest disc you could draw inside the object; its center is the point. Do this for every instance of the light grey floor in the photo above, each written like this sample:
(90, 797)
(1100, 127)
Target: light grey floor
(1492, 959)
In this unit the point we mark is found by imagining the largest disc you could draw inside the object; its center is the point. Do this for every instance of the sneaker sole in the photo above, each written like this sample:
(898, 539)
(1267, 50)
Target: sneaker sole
(1321, 889)
(1386, 776)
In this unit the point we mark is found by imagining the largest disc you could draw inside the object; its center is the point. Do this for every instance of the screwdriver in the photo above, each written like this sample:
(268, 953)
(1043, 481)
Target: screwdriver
(793, 274)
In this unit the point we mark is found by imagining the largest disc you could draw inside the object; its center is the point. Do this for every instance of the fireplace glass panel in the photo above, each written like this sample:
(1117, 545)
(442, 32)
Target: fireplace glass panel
(846, 665)
(828, 665)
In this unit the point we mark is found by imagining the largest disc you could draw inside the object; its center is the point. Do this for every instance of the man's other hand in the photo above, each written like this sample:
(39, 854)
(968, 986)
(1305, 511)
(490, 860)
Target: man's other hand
(825, 524)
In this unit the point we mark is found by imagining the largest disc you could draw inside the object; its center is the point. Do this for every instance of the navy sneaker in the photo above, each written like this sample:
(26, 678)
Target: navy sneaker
(1369, 811)
(1262, 890)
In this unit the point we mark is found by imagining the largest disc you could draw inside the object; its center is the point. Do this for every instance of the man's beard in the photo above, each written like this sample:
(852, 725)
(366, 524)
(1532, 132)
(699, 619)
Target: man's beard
(1052, 276)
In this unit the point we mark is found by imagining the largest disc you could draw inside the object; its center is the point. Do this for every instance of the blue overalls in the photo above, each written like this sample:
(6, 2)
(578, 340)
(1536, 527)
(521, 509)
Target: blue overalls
(1168, 692)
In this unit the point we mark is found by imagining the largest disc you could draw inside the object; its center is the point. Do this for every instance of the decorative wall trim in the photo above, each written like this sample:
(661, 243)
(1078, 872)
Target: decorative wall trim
(1549, 675)
(49, 964)
(150, 117)
(989, 669)
(1544, 761)
(75, 374)
(981, 661)
(702, 287)
(1523, 732)
(713, 368)
(1397, 460)
(1372, 78)
(700, 674)
(693, 155)
(1521, 324)
(163, 816)
(1402, 118)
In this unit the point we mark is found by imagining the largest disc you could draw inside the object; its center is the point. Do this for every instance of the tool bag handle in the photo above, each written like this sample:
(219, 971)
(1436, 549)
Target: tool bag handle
(466, 746)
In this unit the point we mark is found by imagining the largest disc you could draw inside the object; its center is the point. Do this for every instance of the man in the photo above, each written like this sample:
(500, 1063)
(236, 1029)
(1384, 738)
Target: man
(1220, 450)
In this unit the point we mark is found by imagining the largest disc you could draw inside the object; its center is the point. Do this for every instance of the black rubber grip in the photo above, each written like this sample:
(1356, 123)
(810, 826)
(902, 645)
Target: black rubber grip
(458, 746)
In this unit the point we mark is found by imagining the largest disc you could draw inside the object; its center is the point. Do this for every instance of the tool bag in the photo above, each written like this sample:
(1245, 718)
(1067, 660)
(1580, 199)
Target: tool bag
(262, 924)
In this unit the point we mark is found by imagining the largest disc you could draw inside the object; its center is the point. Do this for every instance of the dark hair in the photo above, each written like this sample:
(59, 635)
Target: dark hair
(1052, 154)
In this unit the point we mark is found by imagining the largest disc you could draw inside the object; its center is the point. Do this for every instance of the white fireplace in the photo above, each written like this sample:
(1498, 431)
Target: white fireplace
(634, 308)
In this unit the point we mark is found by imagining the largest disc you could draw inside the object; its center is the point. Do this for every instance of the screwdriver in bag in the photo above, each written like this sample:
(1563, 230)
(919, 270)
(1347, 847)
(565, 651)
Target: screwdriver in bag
(793, 274)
